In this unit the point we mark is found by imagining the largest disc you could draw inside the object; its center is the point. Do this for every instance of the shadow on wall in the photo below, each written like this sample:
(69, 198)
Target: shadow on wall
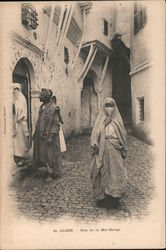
(142, 132)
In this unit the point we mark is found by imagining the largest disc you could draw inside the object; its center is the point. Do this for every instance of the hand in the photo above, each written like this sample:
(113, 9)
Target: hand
(50, 138)
(123, 152)
(98, 171)
(96, 149)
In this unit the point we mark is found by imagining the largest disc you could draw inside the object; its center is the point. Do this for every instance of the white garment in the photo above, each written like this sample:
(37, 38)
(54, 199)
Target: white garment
(20, 135)
(62, 140)
(110, 131)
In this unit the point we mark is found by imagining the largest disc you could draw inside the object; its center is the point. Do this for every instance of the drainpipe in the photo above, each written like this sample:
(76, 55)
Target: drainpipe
(67, 25)
(49, 29)
(80, 45)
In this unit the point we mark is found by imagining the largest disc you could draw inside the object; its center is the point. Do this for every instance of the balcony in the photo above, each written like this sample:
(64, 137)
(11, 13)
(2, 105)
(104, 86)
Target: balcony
(102, 51)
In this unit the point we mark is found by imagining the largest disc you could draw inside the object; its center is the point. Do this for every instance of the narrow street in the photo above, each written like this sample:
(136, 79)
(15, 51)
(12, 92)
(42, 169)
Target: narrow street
(71, 195)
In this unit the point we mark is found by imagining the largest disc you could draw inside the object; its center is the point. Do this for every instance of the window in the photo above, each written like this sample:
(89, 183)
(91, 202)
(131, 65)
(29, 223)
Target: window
(66, 55)
(29, 17)
(64, 15)
(74, 32)
(141, 109)
(105, 28)
(140, 17)
(66, 59)
(47, 10)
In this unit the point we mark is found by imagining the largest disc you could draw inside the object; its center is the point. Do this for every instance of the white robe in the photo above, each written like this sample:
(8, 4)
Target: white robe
(20, 127)
(62, 140)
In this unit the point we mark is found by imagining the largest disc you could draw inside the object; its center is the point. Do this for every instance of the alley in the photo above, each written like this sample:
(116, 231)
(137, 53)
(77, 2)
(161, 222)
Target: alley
(71, 195)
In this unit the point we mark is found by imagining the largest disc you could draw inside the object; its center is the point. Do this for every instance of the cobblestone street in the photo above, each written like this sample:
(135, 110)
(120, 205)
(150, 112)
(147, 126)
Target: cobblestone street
(71, 195)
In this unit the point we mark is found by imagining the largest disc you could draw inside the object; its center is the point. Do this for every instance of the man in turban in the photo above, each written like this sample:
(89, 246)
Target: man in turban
(46, 136)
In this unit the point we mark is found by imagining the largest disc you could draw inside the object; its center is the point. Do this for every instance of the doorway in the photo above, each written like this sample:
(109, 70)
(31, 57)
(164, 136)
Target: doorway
(22, 74)
(88, 104)
(121, 82)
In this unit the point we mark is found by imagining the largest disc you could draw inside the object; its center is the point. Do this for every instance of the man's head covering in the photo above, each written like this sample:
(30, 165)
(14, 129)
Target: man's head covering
(46, 93)
(102, 120)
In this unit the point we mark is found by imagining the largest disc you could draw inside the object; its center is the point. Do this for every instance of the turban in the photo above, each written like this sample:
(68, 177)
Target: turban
(47, 93)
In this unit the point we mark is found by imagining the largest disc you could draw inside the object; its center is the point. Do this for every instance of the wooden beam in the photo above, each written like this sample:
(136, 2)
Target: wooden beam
(64, 26)
(80, 45)
(104, 71)
(90, 63)
(67, 24)
(49, 29)
(60, 23)
(100, 87)
(87, 60)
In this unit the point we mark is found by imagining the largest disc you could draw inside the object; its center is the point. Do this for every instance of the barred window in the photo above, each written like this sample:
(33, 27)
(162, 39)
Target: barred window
(66, 55)
(29, 16)
(105, 28)
(140, 17)
(141, 108)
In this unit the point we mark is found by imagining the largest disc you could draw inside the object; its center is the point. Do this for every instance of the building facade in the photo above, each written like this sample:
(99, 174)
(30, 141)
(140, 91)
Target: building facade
(84, 51)
(53, 46)
(144, 38)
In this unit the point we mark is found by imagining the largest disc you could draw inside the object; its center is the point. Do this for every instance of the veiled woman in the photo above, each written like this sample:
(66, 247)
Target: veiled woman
(108, 173)
(20, 126)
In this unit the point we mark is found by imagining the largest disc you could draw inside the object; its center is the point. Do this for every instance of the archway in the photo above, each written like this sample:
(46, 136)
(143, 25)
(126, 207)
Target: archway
(89, 103)
(23, 73)
(121, 82)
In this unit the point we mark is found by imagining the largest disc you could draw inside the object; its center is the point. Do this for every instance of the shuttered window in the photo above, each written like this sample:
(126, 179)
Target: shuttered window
(105, 28)
(141, 108)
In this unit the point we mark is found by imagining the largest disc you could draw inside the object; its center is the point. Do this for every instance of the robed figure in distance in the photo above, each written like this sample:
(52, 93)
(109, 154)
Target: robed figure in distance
(20, 126)
(46, 136)
(108, 140)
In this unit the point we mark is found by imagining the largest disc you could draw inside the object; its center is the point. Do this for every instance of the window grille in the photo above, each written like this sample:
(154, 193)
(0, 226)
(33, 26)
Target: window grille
(66, 55)
(140, 17)
(105, 27)
(66, 59)
(141, 108)
(29, 17)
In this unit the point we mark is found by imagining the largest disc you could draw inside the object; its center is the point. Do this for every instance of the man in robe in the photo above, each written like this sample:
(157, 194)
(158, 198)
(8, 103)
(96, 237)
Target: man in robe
(46, 136)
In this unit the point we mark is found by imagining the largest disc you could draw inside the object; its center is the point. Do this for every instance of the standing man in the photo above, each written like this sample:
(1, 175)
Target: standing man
(46, 137)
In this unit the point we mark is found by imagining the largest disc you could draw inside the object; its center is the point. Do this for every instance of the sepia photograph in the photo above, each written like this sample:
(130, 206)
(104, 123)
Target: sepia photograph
(82, 124)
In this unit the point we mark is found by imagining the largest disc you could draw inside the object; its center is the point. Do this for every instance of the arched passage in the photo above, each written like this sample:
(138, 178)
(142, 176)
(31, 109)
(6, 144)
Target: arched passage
(121, 82)
(23, 73)
(89, 101)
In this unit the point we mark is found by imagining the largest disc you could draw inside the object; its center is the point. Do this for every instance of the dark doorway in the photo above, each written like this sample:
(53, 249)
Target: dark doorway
(88, 104)
(21, 74)
(121, 82)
